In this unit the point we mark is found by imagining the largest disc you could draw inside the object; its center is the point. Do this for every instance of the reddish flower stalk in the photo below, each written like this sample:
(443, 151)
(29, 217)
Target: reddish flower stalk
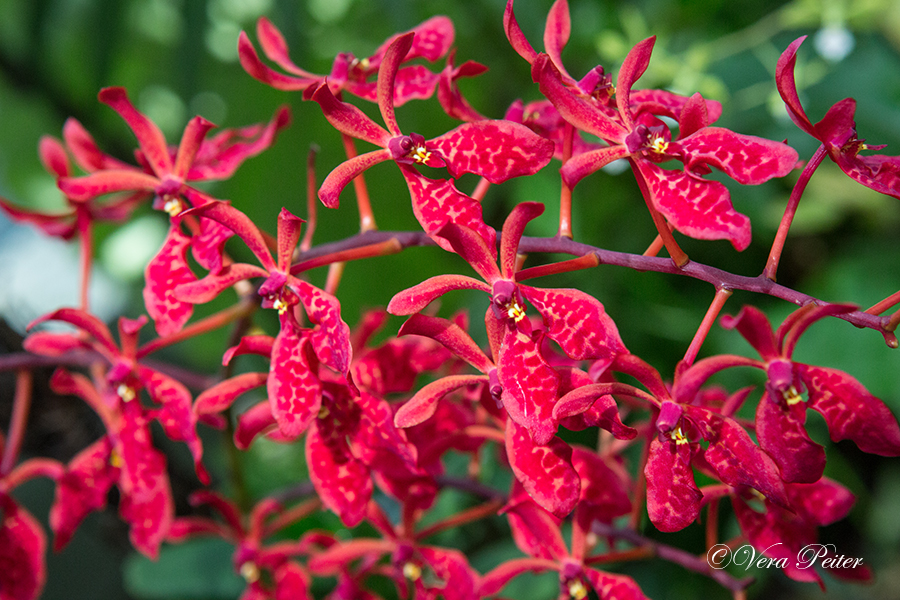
(18, 421)
(722, 294)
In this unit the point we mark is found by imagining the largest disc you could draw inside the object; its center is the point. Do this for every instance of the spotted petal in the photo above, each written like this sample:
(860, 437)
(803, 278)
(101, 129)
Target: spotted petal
(545, 471)
(530, 385)
(673, 500)
(745, 158)
(341, 480)
(782, 435)
(295, 392)
(165, 272)
(22, 548)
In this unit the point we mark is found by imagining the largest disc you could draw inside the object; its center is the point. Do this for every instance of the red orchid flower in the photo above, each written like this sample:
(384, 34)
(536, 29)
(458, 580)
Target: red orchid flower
(792, 535)
(124, 457)
(573, 319)
(428, 572)
(433, 39)
(271, 572)
(22, 539)
(293, 385)
(351, 438)
(537, 533)
(850, 411)
(837, 132)
(165, 173)
(695, 206)
(125, 377)
(673, 499)
(495, 150)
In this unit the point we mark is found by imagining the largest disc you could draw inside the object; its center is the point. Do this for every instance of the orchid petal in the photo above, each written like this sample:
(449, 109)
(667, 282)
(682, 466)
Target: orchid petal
(747, 159)
(22, 548)
(673, 500)
(472, 248)
(276, 49)
(414, 299)
(341, 480)
(511, 235)
(545, 471)
(330, 337)
(206, 289)
(756, 329)
(782, 436)
(387, 73)
(580, 166)
(787, 87)
(494, 149)
(86, 322)
(612, 585)
(151, 140)
(556, 33)
(222, 395)
(347, 171)
(256, 420)
(515, 36)
(97, 184)
(191, 140)
(851, 411)
(258, 70)
(577, 322)
(535, 531)
(225, 214)
(424, 403)
(164, 273)
(288, 237)
(451, 336)
(631, 70)
(350, 120)
(295, 392)
(530, 385)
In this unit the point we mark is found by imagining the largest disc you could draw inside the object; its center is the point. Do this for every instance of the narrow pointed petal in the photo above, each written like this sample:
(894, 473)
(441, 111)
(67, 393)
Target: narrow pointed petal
(796, 323)
(787, 87)
(86, 322)
(222, 395)
(424, 403)
(220, 156)
(150, 138)
(295, 392)
(22, 548)
(747, 159)
(206, 289)
(451, 336)
(238, 222)
(497, 150)
(782, 435)
(347, 171)
(631, 70)
(577, 322)
(696, 207)
(387, 73)
(535, 531)
(851, 411)
(437, 201)
(556, 33)
(288, 236)
(530, 385)
(513, 229)
(414, 299)
(577, 111)
(473, 249)
(545, 471)
(350, 120)
(582, 165)
(53, 157)
(276, 49)
(673, 500)
(164, 273)
(342, 481)
(330, 337)
(176, 414)
(255, 421)
(596, 408)
(663, 103)
(208, 245)
(515, 36)
(191, 139)
(496, 579)
(106, 182)
(252, 64)
(753, 324)
(82, 490)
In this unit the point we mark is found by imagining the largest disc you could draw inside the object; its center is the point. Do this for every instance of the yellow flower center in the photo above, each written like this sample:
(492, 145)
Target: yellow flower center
(792, 396)
(126, 393)
(659, 144)
(173, 206)
(577, 590)
(421, 155)
(115, 459)
(412, 571)
(515, 311)
(280, 305)
(250, 572)
(678, 436)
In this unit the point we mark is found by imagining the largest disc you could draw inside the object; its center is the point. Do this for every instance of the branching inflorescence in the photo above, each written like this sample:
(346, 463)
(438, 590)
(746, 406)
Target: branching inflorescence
(378, 420)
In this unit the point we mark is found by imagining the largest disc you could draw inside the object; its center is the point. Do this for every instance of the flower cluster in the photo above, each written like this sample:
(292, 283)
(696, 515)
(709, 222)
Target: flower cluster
(384, 418)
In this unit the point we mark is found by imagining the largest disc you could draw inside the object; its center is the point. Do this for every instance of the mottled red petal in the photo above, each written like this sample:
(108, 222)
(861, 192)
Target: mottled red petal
(295, 392)
(545, 471)
(852, 413)
(530, 385)
(423, 404)
(610, 585)
(166, 271)
(631, 70)
(414, 299)
(150, 138)
(673, 500)
(535, 531)
(342, 481)
(577, 322)
(787, 87)
(782, 435)
(745, 158)
(330, 337)
(22, 547)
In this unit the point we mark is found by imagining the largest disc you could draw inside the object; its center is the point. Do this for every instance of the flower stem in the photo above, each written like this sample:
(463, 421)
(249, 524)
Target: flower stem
(312, 202)
(366, 217)
(885, 304)
(219, 319)
(677, 255)
(85, 234)
(481, 189)
(18, 421)
(722, 294)
(789, 212)
(565, 194)
(575, 264)
(488, 509)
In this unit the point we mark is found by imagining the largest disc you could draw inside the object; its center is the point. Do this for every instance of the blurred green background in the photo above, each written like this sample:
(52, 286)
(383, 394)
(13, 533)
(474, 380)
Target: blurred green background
(178, 58)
